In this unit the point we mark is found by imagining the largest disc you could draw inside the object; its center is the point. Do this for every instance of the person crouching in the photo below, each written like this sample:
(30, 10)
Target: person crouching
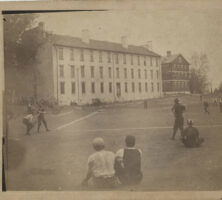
(101, 166)
(191, 136)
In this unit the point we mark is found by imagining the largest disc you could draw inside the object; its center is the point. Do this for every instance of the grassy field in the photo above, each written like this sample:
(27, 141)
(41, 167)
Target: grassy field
(56, 160)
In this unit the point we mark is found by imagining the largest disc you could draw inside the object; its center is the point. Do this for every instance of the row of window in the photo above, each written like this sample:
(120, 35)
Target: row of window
(101, 72)
(152, 60)
(180, 67)
(110, 87)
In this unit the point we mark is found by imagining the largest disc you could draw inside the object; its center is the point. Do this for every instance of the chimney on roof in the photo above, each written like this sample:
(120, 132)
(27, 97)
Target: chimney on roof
(124, 42)
(168, 53)
(149, 45)
(85, 35)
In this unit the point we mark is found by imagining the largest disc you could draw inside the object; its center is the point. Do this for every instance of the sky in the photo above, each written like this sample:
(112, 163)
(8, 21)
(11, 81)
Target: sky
(185, 31)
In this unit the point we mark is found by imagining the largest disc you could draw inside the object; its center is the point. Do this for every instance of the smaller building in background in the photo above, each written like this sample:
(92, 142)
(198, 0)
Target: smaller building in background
(175, 74)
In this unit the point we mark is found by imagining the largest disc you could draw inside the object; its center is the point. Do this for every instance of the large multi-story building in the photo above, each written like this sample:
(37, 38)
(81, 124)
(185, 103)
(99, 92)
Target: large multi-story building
(80, 70)
(175, 74)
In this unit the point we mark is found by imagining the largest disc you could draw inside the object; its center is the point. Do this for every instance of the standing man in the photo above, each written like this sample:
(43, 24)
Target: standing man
(206, 105)
(28, 120)
(178, 110)
(41, 118)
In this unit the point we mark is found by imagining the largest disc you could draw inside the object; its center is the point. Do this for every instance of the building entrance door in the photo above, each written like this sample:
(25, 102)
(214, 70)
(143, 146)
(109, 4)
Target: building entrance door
(118, 90)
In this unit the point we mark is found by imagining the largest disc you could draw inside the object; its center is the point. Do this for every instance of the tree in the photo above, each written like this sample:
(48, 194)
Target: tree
(198, 73)
(22, 45)
(14, 27)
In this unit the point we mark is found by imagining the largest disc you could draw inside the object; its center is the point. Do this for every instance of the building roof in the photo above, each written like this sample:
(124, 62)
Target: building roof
(100, 45)
(171, 58)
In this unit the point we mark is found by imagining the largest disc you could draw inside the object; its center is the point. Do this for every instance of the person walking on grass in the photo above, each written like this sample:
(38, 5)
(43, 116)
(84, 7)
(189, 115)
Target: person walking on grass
(41, 118)
(101, 166)
(206, 106)
(178, 110)
(191, 136)
(220, 105)
(128, 163)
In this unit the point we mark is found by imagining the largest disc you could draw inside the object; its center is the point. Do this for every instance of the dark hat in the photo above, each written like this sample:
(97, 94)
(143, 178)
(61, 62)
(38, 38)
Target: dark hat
(176, 100)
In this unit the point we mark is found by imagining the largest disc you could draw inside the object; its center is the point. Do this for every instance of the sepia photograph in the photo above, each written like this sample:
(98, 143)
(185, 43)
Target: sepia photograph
(113, 100)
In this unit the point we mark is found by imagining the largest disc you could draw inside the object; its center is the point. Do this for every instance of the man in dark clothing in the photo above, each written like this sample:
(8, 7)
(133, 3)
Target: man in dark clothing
(41, 118)
(178, 110)
(191, 136)
(206, 105)
(128, 163)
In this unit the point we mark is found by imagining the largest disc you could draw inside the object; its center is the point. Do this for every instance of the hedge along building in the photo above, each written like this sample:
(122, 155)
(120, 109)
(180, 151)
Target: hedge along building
(80, 70)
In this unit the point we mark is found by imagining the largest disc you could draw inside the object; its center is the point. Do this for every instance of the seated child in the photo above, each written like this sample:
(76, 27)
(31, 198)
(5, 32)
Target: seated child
(128, 163)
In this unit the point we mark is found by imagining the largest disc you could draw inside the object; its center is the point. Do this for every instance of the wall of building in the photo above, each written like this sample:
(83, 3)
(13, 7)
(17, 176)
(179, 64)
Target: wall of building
(107, 96)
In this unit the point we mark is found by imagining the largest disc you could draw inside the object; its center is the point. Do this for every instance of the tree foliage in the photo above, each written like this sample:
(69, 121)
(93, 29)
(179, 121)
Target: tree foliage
(14, 27)
(198, 73)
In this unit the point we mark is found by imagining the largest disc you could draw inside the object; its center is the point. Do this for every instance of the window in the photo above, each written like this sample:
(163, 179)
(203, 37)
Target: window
(101, 72)
(72, 71)
(144, 60)
(146, 87)
(62, 87)
(157, 62)
(93, 87)
(157, 74)
(60, 53)
(131, 59)
(126, 87)
(101, 87)
(152, 88)
(117, 72)
(132, 73)
(110, 72)
(139, 73)
(110, 87)
(138, 59)
(73, 88)
(124, 58)
(61, 70)
(117, 59)
(109, 57)
(100, 56)
(151, 61)
(82, 71)
(81, 55)
(133, 87)
(140, 88)
(71, 54)
(83, 88)
(145, 73)
(158, 87)
(92, 71)
(91, 56)
(151, 74)
(125, 72)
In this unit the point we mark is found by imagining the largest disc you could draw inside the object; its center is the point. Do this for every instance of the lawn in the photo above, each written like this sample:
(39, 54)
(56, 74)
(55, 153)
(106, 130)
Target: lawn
(56, 160)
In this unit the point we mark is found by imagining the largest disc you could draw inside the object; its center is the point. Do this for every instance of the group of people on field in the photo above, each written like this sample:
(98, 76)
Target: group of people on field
(215, 102)
(189, 135)
(33, 115)
(106, 169)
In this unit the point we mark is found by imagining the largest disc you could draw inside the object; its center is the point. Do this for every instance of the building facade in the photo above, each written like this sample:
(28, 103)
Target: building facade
(175, 74)
(81, 70)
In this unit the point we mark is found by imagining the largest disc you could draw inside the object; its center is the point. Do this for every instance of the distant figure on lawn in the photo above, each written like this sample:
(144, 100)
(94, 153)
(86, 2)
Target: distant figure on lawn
(28, 120)
(101, 166)
(41, 118)
(206, 106)
(191, 136)
(30, 109)
(145, 104)
(178, 110)
(220, 105)
(128, 163)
